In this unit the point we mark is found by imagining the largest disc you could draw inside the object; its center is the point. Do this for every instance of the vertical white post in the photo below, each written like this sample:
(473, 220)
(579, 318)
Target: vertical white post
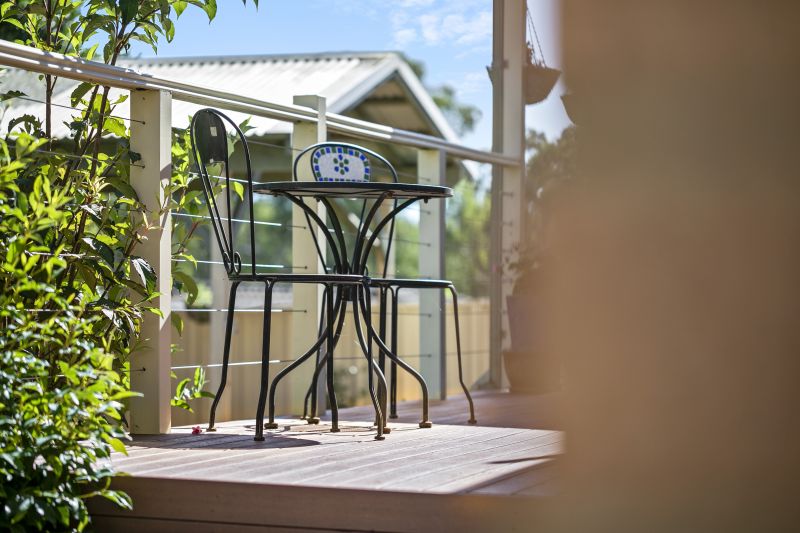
(306, 296)
(433, 363)
(507, 182)
(151, 114)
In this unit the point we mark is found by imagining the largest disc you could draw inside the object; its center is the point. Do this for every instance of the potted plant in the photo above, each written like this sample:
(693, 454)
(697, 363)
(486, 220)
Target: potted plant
(529, 365)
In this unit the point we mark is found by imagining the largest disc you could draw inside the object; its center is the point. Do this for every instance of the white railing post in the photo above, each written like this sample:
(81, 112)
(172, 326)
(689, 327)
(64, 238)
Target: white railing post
(151, 114)
(304, 254)
(508, 134)
(433, 360)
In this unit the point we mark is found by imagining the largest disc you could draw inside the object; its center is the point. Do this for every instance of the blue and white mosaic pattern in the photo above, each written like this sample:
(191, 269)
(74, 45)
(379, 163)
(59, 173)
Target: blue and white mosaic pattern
(339, 163)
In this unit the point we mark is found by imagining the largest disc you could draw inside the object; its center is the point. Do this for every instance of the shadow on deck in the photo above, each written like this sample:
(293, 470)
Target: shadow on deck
(451, 477)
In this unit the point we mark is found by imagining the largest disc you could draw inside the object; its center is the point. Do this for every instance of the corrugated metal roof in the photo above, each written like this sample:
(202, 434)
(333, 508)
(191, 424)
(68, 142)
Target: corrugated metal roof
(343, 78)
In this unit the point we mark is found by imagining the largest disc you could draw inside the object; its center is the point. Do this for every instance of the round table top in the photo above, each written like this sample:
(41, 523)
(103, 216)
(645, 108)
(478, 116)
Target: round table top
(353, 189)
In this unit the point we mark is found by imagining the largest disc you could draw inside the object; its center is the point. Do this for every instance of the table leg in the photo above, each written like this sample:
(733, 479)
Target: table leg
(371, 366)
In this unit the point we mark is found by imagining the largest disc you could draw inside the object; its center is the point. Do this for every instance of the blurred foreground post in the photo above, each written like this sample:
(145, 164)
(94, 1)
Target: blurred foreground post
(674, 294)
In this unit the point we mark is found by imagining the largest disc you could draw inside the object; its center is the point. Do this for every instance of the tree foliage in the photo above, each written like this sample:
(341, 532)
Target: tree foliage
(463, 117)
(551, 166)
(467, 239)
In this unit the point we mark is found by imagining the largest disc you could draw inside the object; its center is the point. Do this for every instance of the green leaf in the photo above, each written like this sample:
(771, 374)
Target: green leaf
(115, 126)
(177, 322)
(15, 22)
(129, 8)
(211, 9)
(8, 95)
(188, 284)
(119, 498)
(145, 271)
(238, 188)
(79, 92)
(169, 29)
(117, 445)
(89, 54)
(123, 188)
(106, 253)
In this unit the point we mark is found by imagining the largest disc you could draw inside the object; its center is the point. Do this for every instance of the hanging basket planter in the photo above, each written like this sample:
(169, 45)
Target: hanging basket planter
(539, 82)
(539, 78)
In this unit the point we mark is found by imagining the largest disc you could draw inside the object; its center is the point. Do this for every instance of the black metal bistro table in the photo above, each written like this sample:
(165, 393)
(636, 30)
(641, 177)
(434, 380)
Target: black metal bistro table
(351, 262)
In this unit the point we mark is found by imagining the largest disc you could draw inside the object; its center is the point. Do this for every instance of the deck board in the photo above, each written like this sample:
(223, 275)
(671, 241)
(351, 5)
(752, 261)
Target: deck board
(509, 454)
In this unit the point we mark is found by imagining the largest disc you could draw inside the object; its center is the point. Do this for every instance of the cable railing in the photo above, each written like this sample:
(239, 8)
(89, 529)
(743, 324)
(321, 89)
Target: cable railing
(255, 362)
(72, 108)
(35, 60)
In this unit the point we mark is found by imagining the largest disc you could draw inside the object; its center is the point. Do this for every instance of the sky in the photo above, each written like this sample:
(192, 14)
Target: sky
(453, 38)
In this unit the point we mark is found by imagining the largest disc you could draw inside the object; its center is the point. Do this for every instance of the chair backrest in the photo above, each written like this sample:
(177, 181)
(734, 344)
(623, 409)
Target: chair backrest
(209, 135)
(339, 161)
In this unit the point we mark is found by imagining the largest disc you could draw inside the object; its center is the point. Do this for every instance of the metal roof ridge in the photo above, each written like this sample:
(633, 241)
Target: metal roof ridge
(244, 58)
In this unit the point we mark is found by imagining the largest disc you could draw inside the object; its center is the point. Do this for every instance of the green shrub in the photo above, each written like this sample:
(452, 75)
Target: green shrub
(60, 397)
(72, 289)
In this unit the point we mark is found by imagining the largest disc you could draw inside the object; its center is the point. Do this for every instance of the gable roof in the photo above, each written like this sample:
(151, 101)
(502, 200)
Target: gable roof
(345, 79)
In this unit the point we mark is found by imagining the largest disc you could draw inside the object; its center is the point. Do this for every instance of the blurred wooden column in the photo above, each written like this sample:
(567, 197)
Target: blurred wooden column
(508, 138)
(674, 294)
(151, 114)
(307, 297)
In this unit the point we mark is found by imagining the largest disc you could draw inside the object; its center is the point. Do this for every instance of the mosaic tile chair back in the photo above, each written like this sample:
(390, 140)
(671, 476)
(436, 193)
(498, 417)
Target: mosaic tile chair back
(340, 163)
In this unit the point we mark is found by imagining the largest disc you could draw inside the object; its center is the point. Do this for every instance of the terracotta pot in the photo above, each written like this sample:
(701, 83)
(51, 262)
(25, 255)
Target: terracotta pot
(531, 372)
(530, 369)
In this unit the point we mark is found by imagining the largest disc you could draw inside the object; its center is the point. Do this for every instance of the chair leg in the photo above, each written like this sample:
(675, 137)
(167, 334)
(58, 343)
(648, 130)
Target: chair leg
(265, 336)
(425, 423)
(382, 390)
(371, 367)
(225, 355)
(393, 393)
(472, 419)
(377, 367)
(329, 346)
(283, 373)
(311, 394)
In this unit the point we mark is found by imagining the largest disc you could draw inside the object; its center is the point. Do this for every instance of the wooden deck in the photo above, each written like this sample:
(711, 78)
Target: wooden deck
(452, 476)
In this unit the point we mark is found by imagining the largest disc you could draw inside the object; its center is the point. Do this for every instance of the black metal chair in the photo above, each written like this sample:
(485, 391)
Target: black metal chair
(209, 139)
(383, 284)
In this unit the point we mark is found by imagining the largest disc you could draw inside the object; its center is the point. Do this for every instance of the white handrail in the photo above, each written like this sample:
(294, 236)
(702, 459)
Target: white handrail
(35, 60)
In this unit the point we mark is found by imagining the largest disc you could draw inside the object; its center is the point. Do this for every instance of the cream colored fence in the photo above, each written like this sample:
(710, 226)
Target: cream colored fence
(240, 397)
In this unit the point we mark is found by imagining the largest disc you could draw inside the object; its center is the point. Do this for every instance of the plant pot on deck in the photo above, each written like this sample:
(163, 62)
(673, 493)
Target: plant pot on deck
(529, 366)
